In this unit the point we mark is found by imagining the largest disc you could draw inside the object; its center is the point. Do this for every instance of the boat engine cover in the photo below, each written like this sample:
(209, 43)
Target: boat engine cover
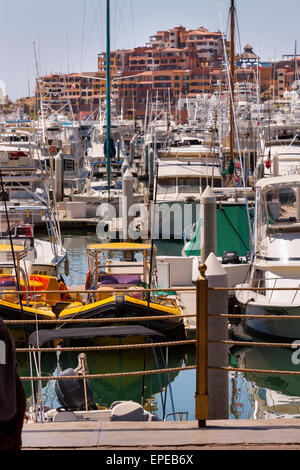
(70, 392)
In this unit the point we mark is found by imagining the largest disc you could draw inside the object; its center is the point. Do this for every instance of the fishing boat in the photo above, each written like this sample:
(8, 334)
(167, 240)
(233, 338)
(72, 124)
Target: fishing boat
(116, 288)
(15, 277)
(117, 276)
(275, 263)
(25, 202)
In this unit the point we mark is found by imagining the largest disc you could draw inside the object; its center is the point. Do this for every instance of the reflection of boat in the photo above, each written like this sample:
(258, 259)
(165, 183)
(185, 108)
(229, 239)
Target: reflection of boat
(276, 263)
(106, 390)
(278, 394)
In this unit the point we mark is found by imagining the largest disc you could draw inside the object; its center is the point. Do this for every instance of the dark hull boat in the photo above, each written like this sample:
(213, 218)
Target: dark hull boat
(119, 305)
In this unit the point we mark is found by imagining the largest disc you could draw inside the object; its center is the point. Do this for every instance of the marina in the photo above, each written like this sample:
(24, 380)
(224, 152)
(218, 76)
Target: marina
(149, 232)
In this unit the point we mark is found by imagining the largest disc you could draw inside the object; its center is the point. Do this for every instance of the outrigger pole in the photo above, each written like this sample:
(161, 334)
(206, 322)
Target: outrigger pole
(232, 72)
(108, 122)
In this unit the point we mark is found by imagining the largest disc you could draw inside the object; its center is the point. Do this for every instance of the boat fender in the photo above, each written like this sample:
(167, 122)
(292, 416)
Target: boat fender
(66, 267)
(88, 281)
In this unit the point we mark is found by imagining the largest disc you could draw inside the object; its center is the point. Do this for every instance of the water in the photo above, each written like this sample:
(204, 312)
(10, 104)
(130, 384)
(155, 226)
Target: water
(250, 395)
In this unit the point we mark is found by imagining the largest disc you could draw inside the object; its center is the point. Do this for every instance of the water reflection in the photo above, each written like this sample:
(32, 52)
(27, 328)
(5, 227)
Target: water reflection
(270, 395)
(109, 389)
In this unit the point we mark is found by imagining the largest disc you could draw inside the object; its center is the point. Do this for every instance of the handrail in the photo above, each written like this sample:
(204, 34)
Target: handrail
(109, 348)
(97, 320)
(172, 289)
(201, 342)
(112, 290)
(115, 374)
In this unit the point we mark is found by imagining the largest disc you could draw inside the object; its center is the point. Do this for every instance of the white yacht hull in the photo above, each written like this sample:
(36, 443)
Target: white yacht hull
(279, 328)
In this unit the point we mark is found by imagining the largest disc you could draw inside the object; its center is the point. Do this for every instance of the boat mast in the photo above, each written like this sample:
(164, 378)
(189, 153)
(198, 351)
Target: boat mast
(232, 72)
(108, 122)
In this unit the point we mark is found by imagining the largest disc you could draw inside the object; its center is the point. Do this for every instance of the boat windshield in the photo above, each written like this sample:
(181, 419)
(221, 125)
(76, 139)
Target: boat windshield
(283, 205)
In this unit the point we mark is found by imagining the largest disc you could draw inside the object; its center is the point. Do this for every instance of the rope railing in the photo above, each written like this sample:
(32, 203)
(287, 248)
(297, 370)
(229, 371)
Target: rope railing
(252, 315)
(147, 290)
(107, 291)
(98, 320)
(108, 348)
(201, 342)
(253, 371)
(108, 375)
(252, 343)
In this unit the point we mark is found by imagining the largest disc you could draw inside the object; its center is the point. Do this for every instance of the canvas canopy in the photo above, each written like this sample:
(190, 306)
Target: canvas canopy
(232, 232)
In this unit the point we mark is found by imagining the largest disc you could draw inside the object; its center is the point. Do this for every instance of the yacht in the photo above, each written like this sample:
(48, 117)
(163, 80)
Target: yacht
(276, 261)
(185, 169)
(25, 202)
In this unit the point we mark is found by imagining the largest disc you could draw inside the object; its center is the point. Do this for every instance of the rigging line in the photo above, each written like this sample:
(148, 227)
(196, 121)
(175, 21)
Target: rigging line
(159, 376)
(231, 91)
(13, 255)
(101, 24)
(96, 14)
(124, 24)
(165, 365)
(92, 28)
(115, 24)
(82, 37)
(132, 22)
(149, 286)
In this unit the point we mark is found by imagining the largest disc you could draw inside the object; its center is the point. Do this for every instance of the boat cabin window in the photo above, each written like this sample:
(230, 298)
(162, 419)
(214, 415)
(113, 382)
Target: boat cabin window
(212, 182)
(188, 185)
(283, 205)
(259, 280)
(166, 185)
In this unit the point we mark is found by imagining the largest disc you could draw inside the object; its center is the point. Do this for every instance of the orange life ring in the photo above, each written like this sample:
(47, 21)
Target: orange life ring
(52, 149)
(88, 280)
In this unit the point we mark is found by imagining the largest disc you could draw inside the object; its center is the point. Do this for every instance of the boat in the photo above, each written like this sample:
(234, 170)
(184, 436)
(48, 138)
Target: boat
(25, 201)
(15, 276)
(275, 263)
(115, 289)
(186, 168)
(117, 277)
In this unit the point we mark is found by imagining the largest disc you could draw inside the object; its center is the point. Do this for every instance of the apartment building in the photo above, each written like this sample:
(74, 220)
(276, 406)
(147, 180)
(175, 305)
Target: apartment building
(174, 64)
(73, 93)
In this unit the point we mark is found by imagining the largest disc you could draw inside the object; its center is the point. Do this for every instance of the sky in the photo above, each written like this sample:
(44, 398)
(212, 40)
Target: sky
(39, 37)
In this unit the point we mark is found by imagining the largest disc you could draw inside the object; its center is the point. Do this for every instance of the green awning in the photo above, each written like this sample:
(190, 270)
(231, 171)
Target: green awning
(232, 231)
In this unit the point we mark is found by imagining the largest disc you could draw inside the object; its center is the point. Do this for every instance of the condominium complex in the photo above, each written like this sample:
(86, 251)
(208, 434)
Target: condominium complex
(174, 64)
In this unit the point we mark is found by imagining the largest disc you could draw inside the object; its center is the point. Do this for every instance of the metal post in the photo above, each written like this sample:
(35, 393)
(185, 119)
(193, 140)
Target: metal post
(201, 395)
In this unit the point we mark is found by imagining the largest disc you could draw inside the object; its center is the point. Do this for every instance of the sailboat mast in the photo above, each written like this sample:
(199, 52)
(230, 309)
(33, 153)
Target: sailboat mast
(232, 73)
(108, 121)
